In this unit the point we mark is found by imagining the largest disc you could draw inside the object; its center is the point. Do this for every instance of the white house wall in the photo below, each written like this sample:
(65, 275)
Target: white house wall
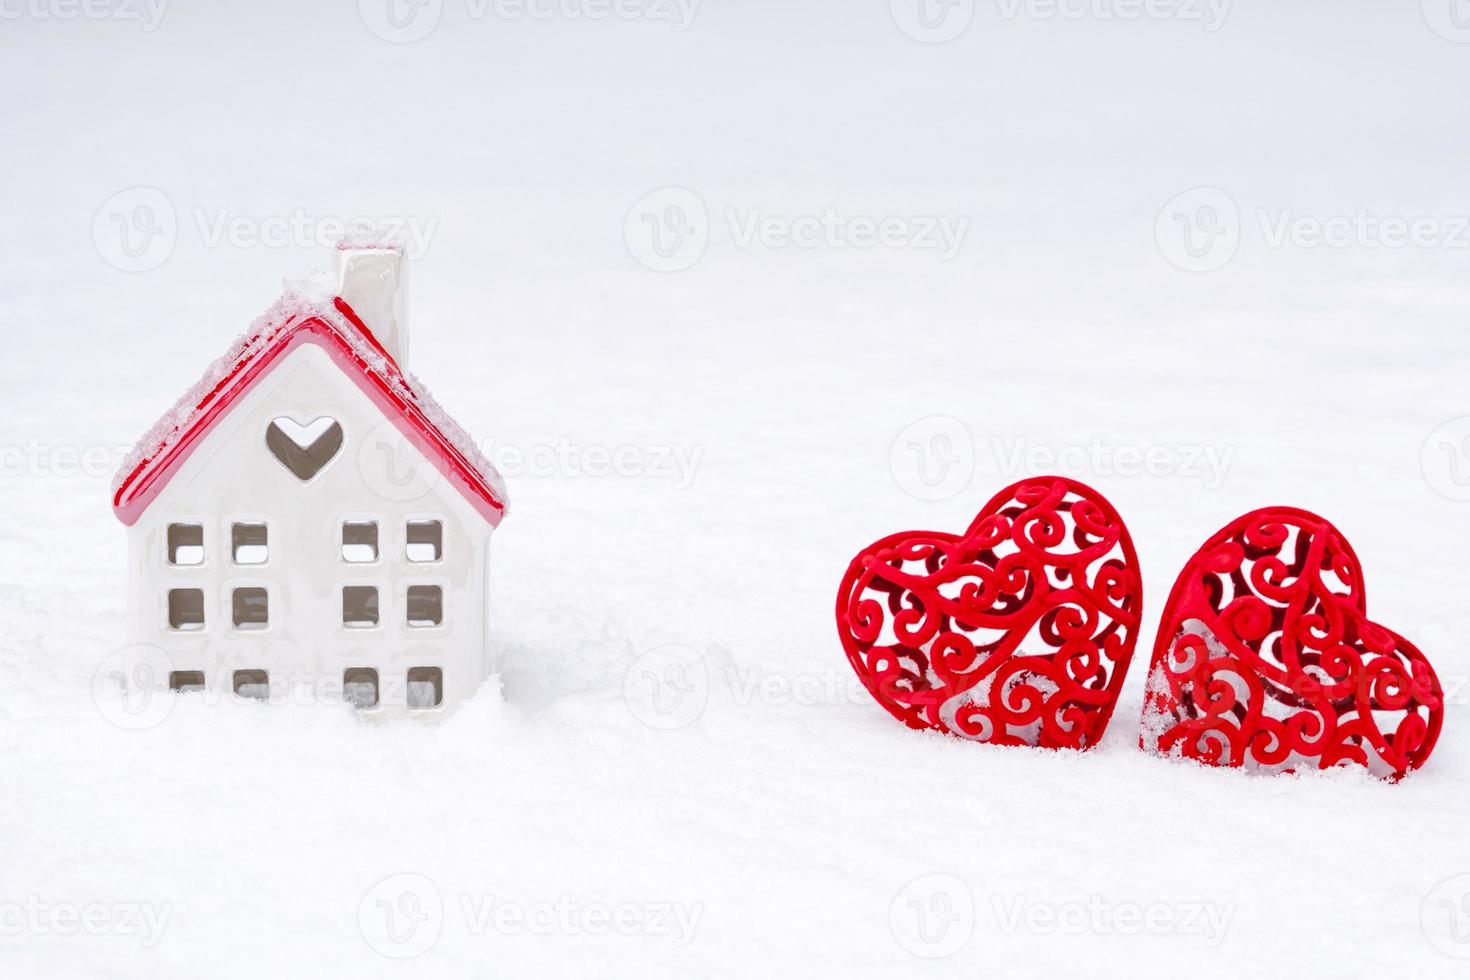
(376, 476)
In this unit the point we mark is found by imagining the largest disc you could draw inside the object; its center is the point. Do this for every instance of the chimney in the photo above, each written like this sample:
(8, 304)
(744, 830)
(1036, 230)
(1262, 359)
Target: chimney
(373, 280)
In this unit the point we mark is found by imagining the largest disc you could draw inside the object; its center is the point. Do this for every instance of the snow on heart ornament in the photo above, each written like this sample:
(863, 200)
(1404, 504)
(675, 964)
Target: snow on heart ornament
(1266, 658)
(1017, 632)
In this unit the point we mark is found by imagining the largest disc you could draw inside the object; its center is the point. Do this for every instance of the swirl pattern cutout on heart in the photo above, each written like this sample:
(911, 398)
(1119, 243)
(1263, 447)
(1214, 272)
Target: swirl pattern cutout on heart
(1266, 659)
(1017, 632)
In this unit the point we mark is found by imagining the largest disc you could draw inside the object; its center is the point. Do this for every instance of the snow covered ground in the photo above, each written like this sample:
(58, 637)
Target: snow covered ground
(820, 275)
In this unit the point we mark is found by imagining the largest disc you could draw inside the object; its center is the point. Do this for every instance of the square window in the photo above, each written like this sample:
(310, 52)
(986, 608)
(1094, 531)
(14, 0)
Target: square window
(186, 609)
(359, 606)
(425, 540)
(247, 544)
(186, 680)
(425, 687)
(360, 687)
(359, 541)
(253, 684)
(252, 608)
(425, 605)
(186, 544)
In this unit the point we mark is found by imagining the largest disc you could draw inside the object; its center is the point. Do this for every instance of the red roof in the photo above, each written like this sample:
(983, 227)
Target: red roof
(332, 325)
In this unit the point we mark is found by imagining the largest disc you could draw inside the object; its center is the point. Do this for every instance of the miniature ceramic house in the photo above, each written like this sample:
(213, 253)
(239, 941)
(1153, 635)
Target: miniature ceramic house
(307, 517)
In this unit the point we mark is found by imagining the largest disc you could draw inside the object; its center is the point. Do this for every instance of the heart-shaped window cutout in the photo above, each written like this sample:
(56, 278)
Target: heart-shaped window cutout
(304, 449)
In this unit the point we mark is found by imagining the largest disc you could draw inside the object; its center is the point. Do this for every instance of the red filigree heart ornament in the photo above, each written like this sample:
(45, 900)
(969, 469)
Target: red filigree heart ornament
(1266, 659)
(1017, 632)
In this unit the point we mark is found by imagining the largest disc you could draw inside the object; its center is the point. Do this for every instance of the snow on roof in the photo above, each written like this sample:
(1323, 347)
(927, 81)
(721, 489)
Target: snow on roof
(305, 304)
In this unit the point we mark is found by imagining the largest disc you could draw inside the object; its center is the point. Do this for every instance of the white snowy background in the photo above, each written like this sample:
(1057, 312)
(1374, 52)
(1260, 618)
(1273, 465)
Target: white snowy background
(676, 775)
